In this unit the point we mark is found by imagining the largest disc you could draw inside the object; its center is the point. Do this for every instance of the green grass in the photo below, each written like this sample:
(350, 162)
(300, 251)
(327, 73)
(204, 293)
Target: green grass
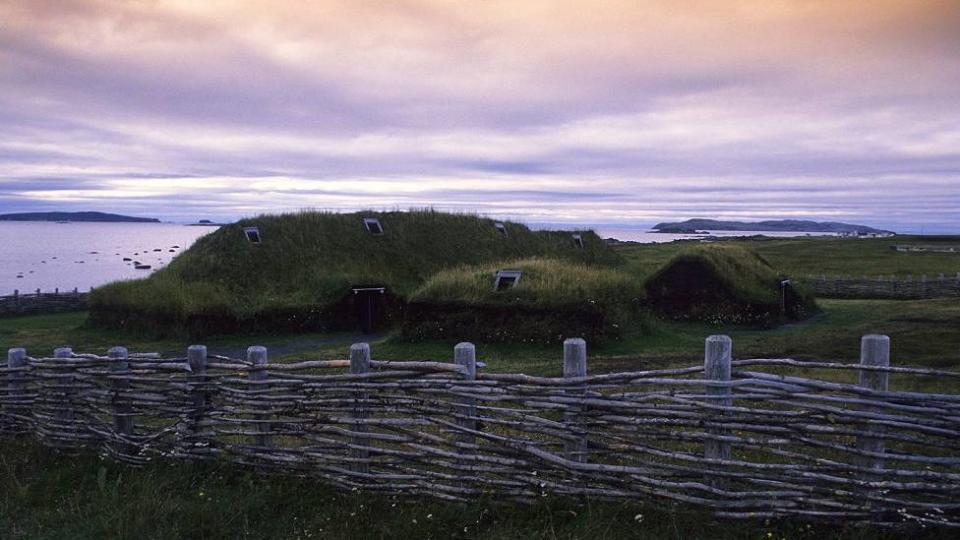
(815, 256)
(45, 496)
(723, 283)
(303, 269)
(553, 300)
(544, 283)
(48, 496)
(923, 333)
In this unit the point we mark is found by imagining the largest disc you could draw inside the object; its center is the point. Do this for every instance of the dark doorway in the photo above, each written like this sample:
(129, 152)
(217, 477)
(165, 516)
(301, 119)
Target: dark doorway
(370, 305)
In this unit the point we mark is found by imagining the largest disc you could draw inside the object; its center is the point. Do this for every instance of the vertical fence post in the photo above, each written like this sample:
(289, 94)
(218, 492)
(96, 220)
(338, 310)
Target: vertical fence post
(575, 366)
(360, 363)
(65, 415)
(257, 356)
(716, 367)
(16, 386)
(874, 351)
(122, 409)
(465, 354)
(197, 359)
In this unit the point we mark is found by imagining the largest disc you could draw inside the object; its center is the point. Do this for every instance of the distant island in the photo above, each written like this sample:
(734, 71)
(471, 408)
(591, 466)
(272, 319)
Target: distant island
(691, 226)
(76, 216)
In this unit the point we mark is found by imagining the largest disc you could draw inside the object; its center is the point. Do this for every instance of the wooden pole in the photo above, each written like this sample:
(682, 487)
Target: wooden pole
(874, 351)
(575, 366)
(65, 414)
(16, 386)
(465, 354)
(716, 367)
(197, 360)
(257, 356)
(122, 409)
(360, 363)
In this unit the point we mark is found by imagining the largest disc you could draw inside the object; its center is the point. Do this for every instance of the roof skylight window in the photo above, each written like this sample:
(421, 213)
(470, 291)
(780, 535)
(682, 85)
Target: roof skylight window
(506, 279)
(252, 234)
(373, 226)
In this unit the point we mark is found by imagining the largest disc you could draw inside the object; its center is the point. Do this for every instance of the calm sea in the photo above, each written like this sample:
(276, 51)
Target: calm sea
(652, 237)
(83, 255)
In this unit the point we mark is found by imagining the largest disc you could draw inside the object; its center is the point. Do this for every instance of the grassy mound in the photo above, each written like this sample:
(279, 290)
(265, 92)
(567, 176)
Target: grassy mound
(552, 300)
(301, 274)
(724, 284)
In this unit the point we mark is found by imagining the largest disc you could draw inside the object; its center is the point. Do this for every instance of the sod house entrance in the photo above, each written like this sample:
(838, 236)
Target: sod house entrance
(370, 307)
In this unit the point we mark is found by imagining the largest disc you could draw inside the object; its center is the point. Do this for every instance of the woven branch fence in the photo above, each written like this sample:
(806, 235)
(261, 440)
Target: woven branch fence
(42, 302)
(741, 438)
(920, 287)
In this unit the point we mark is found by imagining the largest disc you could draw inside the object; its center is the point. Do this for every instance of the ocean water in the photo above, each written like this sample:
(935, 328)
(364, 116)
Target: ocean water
(49, 255)
(653, 237)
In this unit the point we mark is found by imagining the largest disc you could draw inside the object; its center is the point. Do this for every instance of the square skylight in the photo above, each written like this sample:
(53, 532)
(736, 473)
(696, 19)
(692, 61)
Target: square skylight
(252, 234)
(373, 225)
(506, 279)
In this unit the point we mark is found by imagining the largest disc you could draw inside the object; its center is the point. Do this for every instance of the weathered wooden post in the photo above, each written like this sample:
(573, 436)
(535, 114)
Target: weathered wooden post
(16, 385)
(122, 409)
(575, 366)
(716, 368)
(65, 416)
(359, 364)
(465, 354)
(197, 360)
(875, 352)
(257, 356)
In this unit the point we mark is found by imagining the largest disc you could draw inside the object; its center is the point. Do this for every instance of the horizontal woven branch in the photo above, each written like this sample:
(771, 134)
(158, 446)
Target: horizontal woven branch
(781, 437)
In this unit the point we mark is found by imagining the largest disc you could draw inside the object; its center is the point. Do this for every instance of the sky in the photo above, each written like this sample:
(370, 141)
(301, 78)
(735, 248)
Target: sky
(582, 112)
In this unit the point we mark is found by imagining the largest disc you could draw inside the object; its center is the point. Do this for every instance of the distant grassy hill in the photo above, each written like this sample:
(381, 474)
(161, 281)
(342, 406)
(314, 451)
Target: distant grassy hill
(300, 275)
(76, 216)
(786, 225)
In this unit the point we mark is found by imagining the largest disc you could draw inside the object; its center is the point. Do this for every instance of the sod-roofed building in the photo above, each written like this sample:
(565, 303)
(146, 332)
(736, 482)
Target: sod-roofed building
(528, 301)
(726, 285)
(317, 271)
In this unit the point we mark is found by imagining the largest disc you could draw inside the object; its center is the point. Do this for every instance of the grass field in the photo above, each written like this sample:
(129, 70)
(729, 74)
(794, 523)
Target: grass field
(815, 256)
(50, 496)
(45, 495)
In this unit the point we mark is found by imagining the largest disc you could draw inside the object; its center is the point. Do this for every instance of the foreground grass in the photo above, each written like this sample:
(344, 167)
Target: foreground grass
(44, 495)
(49, 496)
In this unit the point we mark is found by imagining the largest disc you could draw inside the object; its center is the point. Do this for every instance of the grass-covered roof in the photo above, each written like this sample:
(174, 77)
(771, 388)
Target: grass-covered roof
(552, 300)
(543, 283)
(725, 284)
(306, 262)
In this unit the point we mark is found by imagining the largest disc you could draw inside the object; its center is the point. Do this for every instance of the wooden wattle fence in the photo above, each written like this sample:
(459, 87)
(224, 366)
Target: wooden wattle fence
(893, 287)
(742, 438)
(38, 302)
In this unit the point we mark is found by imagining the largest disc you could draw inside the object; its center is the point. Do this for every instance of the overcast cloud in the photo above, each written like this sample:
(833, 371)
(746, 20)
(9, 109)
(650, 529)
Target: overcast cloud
(552, 110)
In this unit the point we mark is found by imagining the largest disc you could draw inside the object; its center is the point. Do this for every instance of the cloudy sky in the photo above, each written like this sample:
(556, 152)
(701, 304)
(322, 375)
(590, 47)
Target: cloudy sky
(558, 111)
